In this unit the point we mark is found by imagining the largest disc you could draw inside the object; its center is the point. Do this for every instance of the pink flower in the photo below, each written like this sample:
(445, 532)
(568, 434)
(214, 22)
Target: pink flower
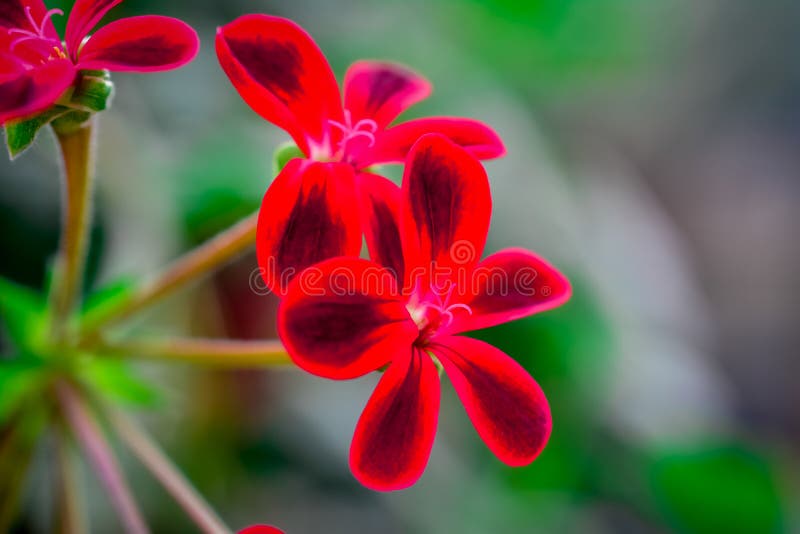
(36, 67)
(281, 73)
(345, 317)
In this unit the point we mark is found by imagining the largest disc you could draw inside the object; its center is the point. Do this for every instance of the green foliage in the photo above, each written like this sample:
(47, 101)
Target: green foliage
(19, 377)
(21, 134)
(115, 379)
(21, 313)
(105, 298)
(283, 155)
(725, 488)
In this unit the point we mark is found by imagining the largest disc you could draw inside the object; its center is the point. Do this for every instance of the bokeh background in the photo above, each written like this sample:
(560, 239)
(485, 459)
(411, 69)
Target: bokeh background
(653, 156)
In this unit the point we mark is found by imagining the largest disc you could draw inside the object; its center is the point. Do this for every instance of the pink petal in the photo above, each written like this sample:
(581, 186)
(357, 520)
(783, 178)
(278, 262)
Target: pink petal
(392, 145)
(83, 18)
(281, 73)
(308, 214)
(13, 15)
(379, 204)
(381, 91)
(506, 406)
(509, 285)
(445, 213)
(395, 433)
(31, 91)
(140, 44)
(343, 318)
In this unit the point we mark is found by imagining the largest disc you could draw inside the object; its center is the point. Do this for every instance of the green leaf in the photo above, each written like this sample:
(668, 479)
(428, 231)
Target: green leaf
(108, 297)
(22, 313)
(283, 155)
(18, 378)
(21, 134)
(718, 488)
(118, 381)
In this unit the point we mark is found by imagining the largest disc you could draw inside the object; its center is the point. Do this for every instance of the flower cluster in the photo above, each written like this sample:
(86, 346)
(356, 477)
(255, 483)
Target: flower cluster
(402, 310)
(37, 68)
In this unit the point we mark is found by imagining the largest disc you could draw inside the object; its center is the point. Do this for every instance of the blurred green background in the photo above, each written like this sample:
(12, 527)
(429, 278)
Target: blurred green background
(653, 156)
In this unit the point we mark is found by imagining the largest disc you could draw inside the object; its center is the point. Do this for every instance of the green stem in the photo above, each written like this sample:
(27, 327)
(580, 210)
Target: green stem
(78, 176)
(192, 266)
(154, 459)
(102, 458)
(213, 352)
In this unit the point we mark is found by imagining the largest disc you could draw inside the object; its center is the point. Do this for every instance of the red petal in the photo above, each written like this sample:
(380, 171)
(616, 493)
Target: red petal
(308, 214)
(379, 204)
(392, 145)
(445, 213)
(394, 435)
(281, 73)
(343, 318)
(13, 14)
(31, 91)
(381, 91)
(261, 529)
(508, 285)
(506, 406)
(84, 16)
(140, 44)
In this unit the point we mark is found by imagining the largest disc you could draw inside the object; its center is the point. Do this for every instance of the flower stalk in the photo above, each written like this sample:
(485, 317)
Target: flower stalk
(194, 265)
(77, 152)
(101, 457)
(154, 459)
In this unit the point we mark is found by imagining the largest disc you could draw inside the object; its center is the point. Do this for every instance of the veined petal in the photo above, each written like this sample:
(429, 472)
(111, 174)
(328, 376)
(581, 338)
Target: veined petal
(445, 214)
(395, 433)
(308, 214)
(281, 73)
(343, 318)
(31, 91)
(379, 204)
(381, 91)
(140, 44)
(506, 406)
(23, 14)
(392, 145)
(83, 17)
(509, 285)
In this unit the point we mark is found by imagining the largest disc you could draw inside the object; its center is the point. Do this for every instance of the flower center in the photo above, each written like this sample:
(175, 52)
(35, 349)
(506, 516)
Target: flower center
(365, 128)
(433, 312)
(37, 33)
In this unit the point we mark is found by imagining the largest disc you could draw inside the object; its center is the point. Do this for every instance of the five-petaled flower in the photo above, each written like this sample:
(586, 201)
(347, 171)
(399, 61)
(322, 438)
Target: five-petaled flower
(37, 68)
(281, 73)
(345, 317)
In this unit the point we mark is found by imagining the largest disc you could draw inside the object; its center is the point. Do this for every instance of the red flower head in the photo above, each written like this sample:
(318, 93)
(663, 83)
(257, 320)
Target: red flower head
(345, 317)
(36, 67)
(281, 73)
(261, 529)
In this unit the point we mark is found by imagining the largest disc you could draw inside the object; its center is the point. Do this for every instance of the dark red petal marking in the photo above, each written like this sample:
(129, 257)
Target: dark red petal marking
(395, 433)
(83, 17)
(281, 73)
(34, 90)
(379, 203)
(445, 213)
(343, 318)
(261, 529)
(13, 14)
(392, 145)
(381, 91)
(140, 44)
(506, 406)
(509, 285)
(308, 214)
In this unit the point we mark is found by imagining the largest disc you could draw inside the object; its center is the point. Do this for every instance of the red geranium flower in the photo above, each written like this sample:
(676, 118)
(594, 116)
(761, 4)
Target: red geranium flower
(345, 317)
(36, 67)
(281, 73)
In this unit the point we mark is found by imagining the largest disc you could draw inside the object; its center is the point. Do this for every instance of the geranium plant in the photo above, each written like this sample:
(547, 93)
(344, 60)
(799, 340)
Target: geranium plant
(424, 241)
